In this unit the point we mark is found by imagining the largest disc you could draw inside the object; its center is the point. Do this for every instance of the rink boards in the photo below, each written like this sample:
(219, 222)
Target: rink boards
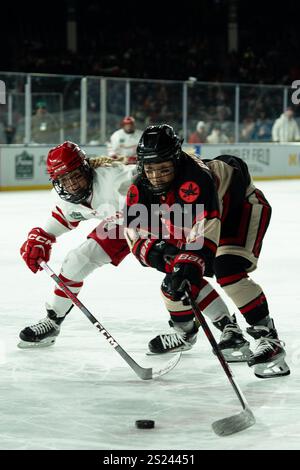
(24, 167)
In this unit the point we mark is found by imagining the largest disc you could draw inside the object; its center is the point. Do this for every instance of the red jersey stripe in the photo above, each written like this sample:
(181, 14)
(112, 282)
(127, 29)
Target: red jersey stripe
(69, 282)
(224, 281)
(254, 303)
(211, 245)
(264, 221)
(182, 313)
(208, 300)
(61, 293)
(60, 220)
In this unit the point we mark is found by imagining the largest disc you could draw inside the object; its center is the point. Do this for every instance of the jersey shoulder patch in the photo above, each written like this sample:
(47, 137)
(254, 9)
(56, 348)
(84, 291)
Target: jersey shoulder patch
(132, 195)
(189, 191)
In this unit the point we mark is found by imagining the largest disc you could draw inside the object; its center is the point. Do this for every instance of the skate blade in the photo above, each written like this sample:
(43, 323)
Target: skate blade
(34, 345)
(273, 369)
(237, 355)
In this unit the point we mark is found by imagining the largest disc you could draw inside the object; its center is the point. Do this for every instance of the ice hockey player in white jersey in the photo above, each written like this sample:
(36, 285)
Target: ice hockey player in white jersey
(123, 142)
(86, 189)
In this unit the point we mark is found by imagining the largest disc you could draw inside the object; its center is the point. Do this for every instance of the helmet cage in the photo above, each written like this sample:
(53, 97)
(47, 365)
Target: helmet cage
(82, 194)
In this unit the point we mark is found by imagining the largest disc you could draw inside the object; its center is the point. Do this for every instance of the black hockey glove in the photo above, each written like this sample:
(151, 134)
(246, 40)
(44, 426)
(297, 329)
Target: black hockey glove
(187, 268)
(157, 254)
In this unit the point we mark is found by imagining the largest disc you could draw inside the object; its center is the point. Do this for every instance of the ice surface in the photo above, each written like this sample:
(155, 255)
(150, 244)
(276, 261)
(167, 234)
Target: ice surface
(80, 394)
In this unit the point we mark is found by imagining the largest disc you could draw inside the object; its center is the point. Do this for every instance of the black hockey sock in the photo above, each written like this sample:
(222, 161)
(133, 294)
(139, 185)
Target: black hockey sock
(266, 321)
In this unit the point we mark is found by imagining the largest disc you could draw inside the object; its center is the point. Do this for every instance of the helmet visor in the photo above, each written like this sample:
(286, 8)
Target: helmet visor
(160, 175)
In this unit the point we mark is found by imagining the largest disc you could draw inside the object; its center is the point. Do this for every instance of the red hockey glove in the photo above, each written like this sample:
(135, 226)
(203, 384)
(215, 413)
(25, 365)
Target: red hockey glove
(37, 248)
(186, 267)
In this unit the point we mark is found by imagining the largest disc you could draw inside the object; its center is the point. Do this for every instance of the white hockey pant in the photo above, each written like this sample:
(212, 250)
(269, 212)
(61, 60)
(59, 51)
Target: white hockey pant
(77, 265)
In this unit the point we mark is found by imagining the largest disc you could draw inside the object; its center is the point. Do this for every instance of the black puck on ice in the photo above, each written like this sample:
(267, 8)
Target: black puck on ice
(145, 424)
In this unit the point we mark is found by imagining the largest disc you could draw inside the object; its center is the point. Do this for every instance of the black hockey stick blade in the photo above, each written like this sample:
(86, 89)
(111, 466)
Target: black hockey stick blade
(236, 423)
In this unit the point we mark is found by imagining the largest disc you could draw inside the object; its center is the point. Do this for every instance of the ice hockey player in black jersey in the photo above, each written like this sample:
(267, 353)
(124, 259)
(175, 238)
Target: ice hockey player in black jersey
(229, 217)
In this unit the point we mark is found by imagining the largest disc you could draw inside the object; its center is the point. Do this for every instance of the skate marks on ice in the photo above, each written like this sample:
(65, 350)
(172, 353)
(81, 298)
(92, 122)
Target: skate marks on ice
(79, 395)
(70, 397)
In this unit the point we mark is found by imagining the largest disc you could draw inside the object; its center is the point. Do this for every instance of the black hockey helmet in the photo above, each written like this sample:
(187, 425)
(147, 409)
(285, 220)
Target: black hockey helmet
(158, 144)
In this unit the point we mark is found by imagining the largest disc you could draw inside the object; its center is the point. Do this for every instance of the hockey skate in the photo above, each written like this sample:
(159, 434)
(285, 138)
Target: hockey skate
(268, 358)
(234, 346)
(176, 341)
(43, 333)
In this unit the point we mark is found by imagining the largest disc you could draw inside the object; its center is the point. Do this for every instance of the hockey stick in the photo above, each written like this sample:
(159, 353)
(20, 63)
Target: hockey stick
(142, 372)
(235, 423)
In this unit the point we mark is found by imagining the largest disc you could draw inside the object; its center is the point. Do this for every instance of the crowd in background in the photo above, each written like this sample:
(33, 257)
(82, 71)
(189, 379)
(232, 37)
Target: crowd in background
(164, 58)
(211, 109)
(158, 44)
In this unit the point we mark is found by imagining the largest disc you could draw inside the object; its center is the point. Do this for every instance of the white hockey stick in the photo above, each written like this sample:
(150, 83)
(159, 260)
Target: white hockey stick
(142, 372)
(235, 423)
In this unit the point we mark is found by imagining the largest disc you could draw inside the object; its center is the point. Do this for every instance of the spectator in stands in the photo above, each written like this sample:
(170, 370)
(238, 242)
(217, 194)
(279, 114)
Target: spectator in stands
(262, 131)
(217, 136)
(247, 129)
(123, 142)
(285, 128)
(44, 127)
(198, 137)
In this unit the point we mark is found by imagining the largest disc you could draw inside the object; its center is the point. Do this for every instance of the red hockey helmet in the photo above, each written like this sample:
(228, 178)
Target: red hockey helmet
(65, 159)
